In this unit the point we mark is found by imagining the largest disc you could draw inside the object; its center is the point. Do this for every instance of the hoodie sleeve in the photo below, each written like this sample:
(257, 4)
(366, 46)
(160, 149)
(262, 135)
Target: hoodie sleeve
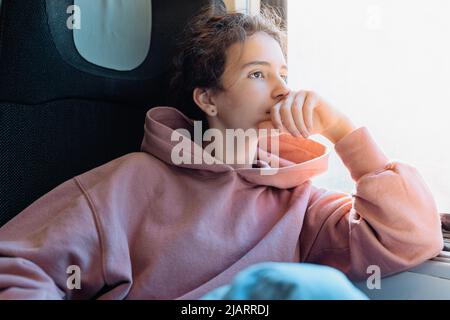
(391, 221)
(39, 245)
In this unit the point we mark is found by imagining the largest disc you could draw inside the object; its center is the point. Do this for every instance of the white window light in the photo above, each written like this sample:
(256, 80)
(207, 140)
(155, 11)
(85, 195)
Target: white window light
(386, 64)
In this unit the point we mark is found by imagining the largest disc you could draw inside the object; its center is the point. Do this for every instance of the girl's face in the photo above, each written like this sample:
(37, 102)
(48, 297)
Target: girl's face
(254, 80)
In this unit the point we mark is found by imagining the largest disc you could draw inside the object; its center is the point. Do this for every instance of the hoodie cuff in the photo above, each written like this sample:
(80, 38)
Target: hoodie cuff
(360, 153)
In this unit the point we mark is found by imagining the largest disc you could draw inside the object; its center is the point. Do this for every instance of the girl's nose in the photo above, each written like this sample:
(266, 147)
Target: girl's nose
(281, 90)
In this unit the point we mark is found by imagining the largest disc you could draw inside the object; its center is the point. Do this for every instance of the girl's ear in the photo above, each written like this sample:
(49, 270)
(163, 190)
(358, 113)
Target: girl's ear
(203, 98)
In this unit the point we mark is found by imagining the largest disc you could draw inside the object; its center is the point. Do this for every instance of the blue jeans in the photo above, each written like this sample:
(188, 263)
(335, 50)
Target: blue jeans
(287, 281)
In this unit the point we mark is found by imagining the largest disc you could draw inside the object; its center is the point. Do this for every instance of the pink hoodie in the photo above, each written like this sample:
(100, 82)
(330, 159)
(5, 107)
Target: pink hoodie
(140, 227)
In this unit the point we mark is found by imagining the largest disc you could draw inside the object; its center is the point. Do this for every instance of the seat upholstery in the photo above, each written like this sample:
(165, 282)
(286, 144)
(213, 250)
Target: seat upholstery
(61, 115)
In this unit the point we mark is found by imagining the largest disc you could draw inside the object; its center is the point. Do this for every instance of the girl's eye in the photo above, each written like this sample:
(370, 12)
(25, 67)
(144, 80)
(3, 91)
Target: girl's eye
(256, 75)
(285, 78)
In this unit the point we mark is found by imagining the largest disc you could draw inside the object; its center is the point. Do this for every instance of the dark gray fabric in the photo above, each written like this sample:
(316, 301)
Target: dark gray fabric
(43, 145)
(60, 115)
(39, 61)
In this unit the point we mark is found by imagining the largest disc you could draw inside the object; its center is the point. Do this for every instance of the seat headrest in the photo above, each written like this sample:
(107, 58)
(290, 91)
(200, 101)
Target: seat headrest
(122, 51)
(112, 34)
(118, 39)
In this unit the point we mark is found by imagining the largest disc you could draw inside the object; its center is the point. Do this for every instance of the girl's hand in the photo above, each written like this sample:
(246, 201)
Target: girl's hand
(304, 113)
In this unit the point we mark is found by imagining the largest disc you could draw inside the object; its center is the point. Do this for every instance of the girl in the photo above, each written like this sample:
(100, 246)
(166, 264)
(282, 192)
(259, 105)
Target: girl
(148, 226)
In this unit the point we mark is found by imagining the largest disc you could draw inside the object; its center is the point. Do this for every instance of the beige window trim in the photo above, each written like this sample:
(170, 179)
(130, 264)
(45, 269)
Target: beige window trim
(245, 6)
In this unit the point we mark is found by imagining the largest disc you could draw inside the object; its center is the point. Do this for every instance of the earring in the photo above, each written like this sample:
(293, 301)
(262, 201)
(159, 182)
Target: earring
(212, 111)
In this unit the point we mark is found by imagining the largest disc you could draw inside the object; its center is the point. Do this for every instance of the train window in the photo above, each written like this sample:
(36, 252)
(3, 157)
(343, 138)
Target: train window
(386, 65)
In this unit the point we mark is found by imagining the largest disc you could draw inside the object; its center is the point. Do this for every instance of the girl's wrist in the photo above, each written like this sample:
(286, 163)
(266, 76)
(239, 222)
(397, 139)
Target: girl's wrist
(342, 128)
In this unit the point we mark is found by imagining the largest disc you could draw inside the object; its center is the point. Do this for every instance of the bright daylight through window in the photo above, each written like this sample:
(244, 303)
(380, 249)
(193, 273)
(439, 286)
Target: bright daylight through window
(386, 64)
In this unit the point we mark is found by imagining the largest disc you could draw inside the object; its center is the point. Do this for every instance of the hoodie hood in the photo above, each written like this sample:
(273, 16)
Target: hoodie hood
(299, 159)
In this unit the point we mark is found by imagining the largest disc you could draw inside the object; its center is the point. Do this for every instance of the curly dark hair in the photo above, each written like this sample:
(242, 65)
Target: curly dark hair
(201, 55)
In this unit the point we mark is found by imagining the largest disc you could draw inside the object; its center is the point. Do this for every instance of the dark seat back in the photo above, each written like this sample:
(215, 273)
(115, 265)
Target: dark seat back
(61, 115)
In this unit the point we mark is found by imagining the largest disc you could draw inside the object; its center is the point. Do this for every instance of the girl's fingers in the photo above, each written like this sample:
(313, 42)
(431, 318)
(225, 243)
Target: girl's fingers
(308, 111)
(287, 117)
(275, 116)
(297, 112)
